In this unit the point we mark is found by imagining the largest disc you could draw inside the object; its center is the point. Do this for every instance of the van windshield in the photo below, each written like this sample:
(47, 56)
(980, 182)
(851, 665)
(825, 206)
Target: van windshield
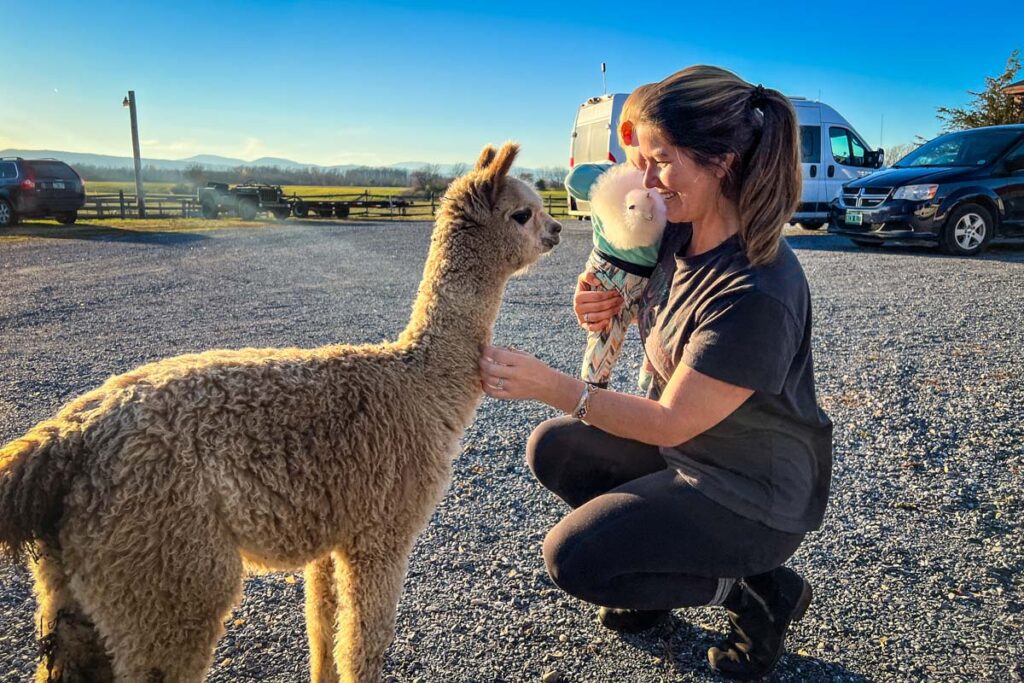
(966, 148)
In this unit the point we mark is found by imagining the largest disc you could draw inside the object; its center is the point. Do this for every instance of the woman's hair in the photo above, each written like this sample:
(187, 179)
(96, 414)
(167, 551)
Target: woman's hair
(631, 111)
(710, 112)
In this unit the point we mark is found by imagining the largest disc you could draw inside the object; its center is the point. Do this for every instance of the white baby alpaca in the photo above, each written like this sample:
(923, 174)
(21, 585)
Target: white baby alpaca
(632, 216)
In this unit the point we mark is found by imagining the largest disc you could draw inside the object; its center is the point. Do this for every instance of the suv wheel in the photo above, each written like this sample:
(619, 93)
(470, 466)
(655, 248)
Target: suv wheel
(67, 218)
(7, 217)
(968, 231)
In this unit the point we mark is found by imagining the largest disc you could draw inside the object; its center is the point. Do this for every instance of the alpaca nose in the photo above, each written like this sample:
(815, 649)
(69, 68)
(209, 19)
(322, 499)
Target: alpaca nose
(556, 227)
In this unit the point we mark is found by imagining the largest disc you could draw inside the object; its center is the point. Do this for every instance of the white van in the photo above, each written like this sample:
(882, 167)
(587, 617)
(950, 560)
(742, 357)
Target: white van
(594, 138)
(832, 152)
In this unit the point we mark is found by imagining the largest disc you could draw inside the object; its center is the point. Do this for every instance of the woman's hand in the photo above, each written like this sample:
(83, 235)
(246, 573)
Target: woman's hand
(511, 374)
(594, 306)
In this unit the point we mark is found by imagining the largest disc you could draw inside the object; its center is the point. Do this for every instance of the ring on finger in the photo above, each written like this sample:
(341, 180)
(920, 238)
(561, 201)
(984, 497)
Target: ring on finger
(586, 317)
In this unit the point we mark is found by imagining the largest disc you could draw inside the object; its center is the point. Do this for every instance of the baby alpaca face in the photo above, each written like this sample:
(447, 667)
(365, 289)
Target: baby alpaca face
(643, 206)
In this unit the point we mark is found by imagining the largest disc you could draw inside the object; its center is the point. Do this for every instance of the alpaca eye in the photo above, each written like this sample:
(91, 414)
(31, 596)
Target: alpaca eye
(521, 217)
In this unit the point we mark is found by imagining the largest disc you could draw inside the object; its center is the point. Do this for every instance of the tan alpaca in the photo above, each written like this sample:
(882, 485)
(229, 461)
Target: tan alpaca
(144, 498)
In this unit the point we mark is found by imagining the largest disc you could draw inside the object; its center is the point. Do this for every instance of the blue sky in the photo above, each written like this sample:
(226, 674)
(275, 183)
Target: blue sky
(384, 82)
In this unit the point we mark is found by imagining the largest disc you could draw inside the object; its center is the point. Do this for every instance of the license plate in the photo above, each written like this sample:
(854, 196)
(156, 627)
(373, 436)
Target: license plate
(58, 185)
(854, 218)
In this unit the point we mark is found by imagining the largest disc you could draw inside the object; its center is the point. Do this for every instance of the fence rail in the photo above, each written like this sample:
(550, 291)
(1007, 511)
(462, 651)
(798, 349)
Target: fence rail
(360, 206)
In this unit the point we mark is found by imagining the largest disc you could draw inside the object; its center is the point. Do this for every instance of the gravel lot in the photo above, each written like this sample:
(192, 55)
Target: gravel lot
(918, 570)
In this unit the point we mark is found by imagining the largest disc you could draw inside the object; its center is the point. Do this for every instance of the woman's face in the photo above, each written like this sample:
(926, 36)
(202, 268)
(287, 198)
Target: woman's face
(689, 189)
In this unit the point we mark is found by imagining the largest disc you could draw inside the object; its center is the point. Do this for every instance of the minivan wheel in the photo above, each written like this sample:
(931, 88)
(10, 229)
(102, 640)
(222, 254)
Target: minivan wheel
(968, 231)
(7, 217)
(67, 218)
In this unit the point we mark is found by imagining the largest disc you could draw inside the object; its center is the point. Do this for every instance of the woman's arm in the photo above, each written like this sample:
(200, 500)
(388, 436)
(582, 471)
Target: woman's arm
(691, 404)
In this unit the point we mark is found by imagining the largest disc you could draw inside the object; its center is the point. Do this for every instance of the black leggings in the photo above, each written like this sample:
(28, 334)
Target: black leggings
(639, 535)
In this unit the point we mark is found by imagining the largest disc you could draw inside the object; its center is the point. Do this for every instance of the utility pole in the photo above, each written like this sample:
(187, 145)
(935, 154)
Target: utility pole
(139, 194)
(604, 79)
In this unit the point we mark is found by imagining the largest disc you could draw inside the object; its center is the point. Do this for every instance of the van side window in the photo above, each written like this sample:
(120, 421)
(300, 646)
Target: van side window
(847, 148)
(810, 144)
(8, 170)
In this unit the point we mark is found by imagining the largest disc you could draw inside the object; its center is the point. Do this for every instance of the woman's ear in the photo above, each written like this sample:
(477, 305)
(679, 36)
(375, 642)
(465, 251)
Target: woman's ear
(723, 166)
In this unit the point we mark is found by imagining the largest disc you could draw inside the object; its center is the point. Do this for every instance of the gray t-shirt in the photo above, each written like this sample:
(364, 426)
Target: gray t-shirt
(771, 459)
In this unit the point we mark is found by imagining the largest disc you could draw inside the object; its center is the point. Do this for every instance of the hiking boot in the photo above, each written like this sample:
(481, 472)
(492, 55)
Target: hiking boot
(761, 608)
(631, 620)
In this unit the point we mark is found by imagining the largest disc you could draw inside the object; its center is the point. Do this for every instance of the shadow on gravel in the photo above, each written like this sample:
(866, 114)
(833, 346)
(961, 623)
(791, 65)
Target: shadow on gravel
(1011, 252)
(684, 647)
(101, 233)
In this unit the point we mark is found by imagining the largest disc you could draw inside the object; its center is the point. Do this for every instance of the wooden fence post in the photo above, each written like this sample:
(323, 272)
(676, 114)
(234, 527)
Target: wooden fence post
(120, 197)
(433, 210)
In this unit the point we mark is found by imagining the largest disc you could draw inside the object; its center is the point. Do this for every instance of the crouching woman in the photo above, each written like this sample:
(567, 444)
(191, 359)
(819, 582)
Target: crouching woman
(700, 492)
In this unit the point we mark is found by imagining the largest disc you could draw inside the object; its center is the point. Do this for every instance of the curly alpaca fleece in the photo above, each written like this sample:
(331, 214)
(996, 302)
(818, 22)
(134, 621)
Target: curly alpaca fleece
(142, 499)
(631, 215)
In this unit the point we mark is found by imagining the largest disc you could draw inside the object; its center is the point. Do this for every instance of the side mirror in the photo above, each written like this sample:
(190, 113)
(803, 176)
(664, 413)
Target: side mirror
(876, 158)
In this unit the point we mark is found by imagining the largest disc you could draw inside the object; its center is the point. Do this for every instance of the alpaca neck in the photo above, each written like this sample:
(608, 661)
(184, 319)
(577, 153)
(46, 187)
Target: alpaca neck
(454, 313)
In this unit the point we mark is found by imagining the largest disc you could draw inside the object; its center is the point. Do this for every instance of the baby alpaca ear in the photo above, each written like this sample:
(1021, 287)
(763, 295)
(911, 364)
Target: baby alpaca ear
(503, 162)
(486, 157)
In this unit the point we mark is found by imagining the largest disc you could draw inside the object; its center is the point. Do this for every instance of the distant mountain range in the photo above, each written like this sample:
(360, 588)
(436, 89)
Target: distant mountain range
(212, 162)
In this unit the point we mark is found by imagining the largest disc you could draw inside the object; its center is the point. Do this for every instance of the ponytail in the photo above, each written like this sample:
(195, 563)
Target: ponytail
(770, 181)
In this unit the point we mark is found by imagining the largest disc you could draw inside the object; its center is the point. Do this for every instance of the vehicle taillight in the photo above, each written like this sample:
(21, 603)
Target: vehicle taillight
(572, 162)
(611, 157)
(29, 183)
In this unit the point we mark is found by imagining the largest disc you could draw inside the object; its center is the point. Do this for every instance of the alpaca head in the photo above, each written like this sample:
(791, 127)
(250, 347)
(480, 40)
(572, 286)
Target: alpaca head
(497, 219)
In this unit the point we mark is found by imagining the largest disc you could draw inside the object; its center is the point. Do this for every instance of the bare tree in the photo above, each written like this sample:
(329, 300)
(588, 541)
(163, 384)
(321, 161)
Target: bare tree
(894, 153)
(459, 169)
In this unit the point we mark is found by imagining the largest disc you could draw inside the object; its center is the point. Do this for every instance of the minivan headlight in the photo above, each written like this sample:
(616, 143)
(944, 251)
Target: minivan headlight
(915, 192)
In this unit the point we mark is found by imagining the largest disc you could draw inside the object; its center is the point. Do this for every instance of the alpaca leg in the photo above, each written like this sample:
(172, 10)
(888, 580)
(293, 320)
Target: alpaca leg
(369, 587)
(158, 576)
(70, 646)
(321, 619)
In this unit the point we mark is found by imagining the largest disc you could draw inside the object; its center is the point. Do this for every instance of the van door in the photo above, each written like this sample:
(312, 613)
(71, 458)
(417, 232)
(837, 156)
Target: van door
(812, 197)
(847, 159)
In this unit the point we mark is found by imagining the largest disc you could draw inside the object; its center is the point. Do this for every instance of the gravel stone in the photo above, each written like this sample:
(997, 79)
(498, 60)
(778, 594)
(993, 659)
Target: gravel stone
(917, 570)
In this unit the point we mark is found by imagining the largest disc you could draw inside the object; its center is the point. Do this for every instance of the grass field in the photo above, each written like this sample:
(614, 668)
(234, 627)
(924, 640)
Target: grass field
(113, 187)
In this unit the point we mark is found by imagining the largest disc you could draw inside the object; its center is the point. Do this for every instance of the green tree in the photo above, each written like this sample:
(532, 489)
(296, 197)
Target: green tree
(991, 106)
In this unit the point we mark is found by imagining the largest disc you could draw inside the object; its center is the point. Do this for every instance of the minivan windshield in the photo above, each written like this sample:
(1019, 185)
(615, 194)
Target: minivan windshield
(966, 148)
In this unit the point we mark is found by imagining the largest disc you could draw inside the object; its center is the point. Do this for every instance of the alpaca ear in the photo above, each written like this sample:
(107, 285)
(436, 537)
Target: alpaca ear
(503, 162)
(486, 157)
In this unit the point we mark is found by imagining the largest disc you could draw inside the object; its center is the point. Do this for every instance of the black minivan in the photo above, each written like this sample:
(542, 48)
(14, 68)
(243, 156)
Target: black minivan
(39, 188)
(959, 190)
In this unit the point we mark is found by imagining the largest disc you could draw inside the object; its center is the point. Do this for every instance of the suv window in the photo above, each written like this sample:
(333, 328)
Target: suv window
(8, 170)
(1014, 160)
(53, 169)
(810, 144)
(966, 148)
(847, 148)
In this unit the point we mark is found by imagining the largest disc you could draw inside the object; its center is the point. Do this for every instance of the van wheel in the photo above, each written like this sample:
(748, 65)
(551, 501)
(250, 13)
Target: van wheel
(968, 231)
(7, 217)
(67, 218)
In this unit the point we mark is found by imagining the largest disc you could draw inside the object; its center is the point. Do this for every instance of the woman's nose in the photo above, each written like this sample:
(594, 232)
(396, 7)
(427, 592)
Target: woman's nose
(650, 177)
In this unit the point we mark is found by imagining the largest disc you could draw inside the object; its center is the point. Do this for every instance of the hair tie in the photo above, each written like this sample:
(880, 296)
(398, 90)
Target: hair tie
(758, 96)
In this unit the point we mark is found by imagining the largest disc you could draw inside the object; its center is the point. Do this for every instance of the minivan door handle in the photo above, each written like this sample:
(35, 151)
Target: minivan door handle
(814, 170)
(831, 171)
